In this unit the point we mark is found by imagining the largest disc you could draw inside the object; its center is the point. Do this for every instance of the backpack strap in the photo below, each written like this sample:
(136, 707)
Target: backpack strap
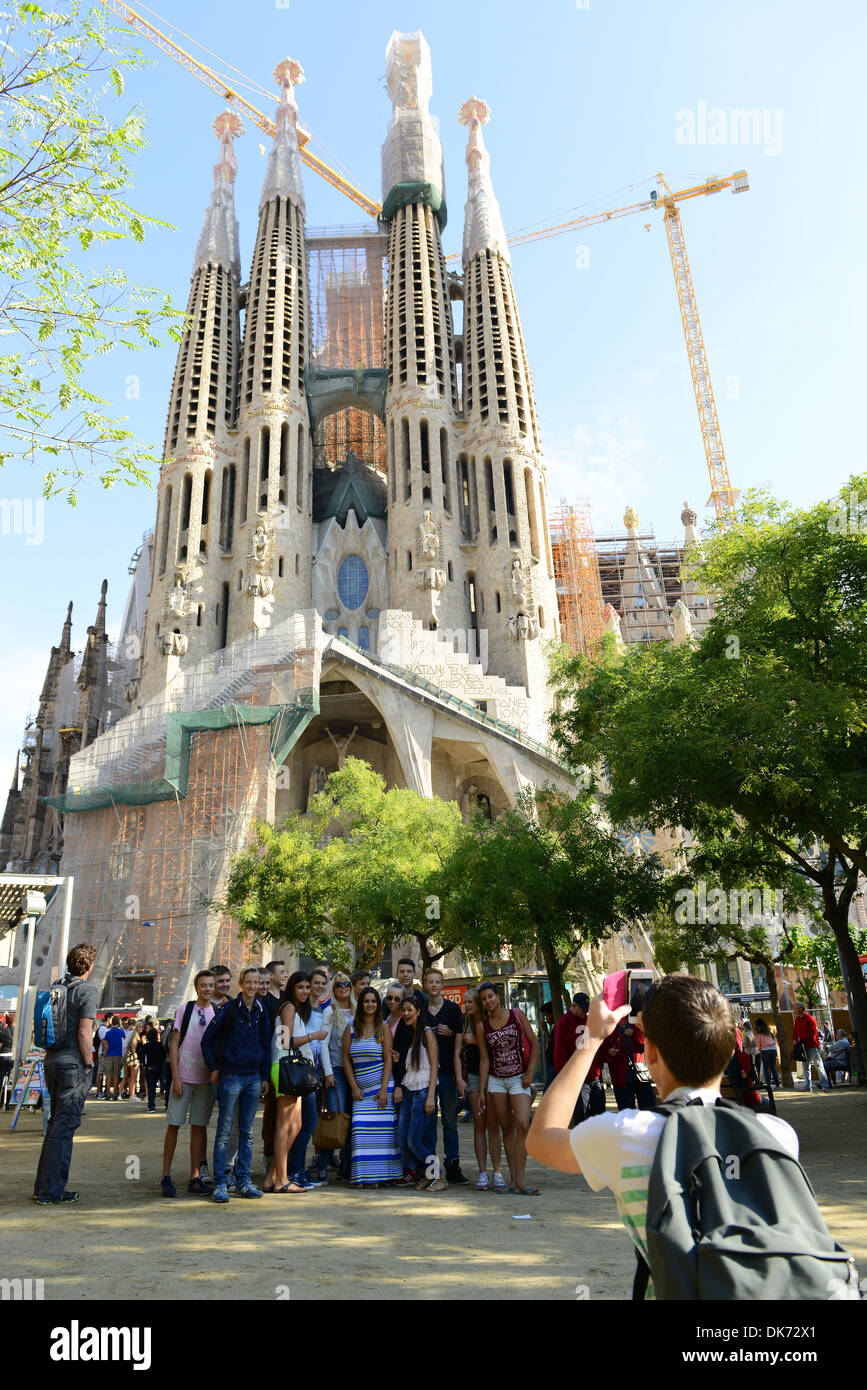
(185, 1021)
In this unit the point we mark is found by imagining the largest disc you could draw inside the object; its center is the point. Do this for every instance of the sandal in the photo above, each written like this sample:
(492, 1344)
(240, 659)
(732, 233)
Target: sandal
(525, 1191)
(287, 1187)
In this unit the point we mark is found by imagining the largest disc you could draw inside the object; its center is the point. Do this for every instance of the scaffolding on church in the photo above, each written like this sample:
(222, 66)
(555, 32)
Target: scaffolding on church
(157, 806)
(576, 575)
(642, 583)
(348, 269)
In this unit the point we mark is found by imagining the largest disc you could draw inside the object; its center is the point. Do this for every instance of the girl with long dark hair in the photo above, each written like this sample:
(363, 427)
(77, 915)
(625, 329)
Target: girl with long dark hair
(416, 1045)
(296, 1115)
(367, 1062)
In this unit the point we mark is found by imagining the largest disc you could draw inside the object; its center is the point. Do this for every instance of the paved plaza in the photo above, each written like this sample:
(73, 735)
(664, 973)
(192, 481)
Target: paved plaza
(351, 1244)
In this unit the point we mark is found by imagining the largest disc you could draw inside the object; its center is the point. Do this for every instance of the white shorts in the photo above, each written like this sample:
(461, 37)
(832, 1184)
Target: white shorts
(508, 1086)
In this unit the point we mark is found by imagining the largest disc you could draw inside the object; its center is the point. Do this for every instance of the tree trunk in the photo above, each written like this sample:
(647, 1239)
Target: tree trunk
(555, 977)
(428, 956)
(837, 916)
(785, 1061)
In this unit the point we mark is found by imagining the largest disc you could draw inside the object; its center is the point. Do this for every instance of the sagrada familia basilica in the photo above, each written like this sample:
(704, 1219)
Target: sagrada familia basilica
(292, 606)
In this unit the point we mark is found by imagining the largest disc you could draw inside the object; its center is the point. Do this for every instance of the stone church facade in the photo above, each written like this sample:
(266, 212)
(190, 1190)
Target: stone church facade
(297, 613)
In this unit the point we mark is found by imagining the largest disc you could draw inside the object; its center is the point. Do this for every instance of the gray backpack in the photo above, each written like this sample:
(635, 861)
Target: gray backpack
(731, 1215)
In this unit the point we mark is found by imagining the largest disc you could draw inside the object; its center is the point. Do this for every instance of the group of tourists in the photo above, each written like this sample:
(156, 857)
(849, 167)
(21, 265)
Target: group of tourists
(369, 1080)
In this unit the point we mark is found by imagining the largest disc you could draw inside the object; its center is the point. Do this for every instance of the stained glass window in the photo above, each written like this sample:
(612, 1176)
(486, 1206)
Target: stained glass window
(352, 582)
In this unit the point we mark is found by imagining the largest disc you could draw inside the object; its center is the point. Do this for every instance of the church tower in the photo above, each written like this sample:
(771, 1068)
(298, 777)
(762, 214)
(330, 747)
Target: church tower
(183, 612)
(514, 581)
(270, 576)
(429, 517)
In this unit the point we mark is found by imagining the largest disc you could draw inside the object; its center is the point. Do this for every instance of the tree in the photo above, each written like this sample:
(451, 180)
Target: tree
(549, 877)
(754, 740)
(807, 951)
(361, 869)
(63, 175)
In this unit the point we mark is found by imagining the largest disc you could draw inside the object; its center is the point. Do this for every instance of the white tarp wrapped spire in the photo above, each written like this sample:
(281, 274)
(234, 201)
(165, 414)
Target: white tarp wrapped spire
(412, 152)
(483, 225)
(218, 242)
(283, 175)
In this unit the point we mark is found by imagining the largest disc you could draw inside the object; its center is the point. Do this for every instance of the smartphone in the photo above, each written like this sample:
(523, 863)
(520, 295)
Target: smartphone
(638, 982)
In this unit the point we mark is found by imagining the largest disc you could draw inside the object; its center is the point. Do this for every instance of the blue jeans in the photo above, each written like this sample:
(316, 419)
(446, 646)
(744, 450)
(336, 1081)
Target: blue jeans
(632, 1096)
(769, 1066)
(309, 1116)
(236, 1092)
(68, 1082)
(447, 1098)
(413, 1127)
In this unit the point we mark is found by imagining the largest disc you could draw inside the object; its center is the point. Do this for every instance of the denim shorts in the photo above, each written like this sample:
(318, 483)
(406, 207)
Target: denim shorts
(508, 1086)
(473, 1081)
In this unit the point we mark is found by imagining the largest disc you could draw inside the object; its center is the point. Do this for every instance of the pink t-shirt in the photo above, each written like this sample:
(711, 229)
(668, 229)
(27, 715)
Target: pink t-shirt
(191, 1064)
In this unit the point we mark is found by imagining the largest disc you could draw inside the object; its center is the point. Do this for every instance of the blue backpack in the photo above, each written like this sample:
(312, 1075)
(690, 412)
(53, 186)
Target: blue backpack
(50, 1021)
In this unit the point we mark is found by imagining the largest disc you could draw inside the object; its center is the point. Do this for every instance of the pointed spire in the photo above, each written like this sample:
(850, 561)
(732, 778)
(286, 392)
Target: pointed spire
(283, 175)
(645, 610)
(483, 224)
(99, 626)
(218, 242)
(412, 153)
(66, 636)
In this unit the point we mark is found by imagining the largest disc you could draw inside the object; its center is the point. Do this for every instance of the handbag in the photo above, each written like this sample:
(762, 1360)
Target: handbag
(296, 1076)
(332, 1131)
(799, 1052)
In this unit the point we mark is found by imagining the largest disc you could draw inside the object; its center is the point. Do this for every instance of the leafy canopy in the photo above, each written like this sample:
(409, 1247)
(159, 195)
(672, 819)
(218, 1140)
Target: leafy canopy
(64, 174)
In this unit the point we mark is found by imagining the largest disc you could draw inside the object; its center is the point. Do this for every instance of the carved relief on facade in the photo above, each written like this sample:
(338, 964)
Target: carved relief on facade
(523, 628)
(177, 598)
(174, 644)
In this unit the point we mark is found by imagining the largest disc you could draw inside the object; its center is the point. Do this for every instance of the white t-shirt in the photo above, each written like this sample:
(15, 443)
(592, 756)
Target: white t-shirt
(617, 1151)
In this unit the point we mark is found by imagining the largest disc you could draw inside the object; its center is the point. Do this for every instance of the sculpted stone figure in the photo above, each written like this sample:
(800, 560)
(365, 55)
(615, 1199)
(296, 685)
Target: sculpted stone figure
(680, 616)
(176, 603)
(428, 538)
(341, 744)
(519, 578)
(523, 628)
(260, 585)
(260, 544)
(316, 781)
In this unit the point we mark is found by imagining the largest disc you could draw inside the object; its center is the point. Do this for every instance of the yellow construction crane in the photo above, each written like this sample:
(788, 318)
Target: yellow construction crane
(240, 103)
(722, 494)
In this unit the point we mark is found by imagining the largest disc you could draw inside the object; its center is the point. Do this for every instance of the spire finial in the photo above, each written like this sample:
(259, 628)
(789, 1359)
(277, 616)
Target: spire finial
(483, 226)
(283, 177)
(688, 516)
(218, 242)
(631, 519)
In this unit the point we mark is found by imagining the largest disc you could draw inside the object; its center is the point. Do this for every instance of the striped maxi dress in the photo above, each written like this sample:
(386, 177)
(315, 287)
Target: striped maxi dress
(375, 1155)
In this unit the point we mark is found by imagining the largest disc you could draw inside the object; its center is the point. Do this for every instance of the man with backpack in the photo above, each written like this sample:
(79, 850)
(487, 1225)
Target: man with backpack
(71, 1006)
(192, 1095)
(712, 1195)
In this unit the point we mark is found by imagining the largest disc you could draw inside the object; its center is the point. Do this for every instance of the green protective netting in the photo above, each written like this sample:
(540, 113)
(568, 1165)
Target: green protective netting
(287, 723)
(404, 193)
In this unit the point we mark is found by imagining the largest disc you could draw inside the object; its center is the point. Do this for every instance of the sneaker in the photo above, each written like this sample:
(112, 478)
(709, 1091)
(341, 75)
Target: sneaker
(230, 1182)
(60, 1201)
(498, 1183)
(220, 1193)
(167, 1187)
(197, 1188)
(302, 1180)
(203, 1172)
(249, 1190)
(318, 1176)
(408, 1180)
(454, 1174)
(483, 1185)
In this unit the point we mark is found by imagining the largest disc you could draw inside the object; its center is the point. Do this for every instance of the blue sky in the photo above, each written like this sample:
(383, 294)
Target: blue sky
(587, 100)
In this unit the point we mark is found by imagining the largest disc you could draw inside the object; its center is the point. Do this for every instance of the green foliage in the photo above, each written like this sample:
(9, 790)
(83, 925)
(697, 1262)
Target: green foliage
(548, 877)
(805, 952)
(63, 175)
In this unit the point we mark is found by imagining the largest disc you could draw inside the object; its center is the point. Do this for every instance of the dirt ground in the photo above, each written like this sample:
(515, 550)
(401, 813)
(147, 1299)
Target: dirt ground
(354, 1244)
